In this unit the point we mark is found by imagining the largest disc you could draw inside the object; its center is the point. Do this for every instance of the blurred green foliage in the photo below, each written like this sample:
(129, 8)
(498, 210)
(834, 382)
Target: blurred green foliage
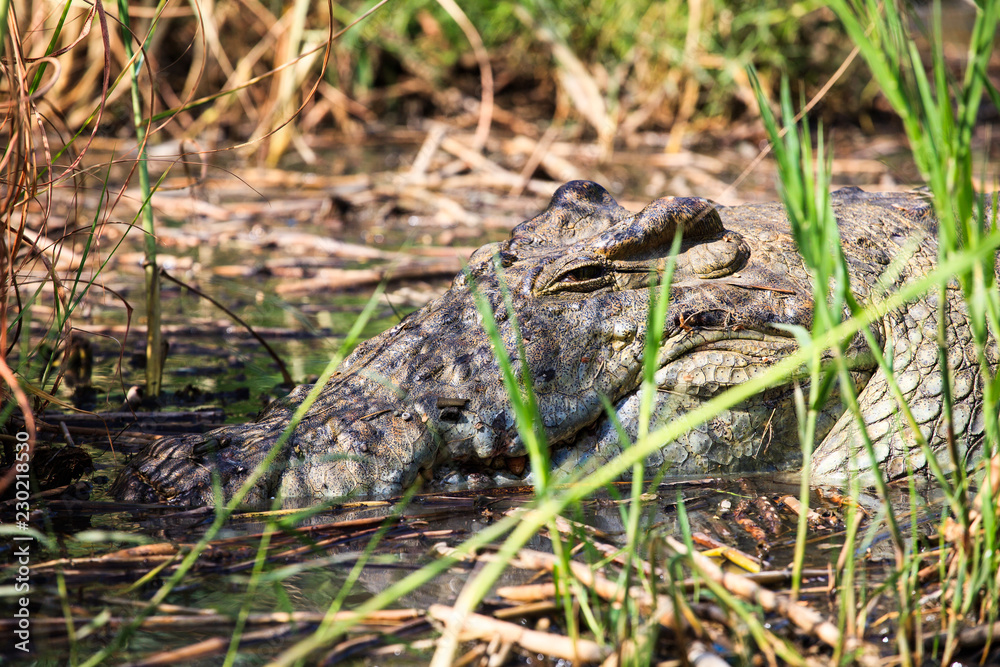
(630, 48)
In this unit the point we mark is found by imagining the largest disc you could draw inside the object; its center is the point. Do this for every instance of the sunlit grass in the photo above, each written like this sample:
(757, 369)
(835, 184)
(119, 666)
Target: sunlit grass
(155, 353)
(939, 113)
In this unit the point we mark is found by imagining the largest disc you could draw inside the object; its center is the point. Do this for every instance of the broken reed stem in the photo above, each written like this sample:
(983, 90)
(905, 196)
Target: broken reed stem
(660, 605)
(485, 628)
(793, 503)
(606, 589)
(805, 618)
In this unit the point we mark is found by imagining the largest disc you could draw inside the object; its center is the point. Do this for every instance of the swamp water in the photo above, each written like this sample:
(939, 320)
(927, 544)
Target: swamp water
(311, 564)
(252, 264)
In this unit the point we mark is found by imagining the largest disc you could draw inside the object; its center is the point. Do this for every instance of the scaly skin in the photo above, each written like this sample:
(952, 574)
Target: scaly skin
(426, 397)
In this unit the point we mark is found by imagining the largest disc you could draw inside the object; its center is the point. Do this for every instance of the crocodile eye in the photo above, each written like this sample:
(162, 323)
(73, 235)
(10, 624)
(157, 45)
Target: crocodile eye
(574, 273)
(583, 273)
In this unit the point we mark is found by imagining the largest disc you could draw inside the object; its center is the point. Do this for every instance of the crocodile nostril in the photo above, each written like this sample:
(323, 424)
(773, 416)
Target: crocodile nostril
(507, 258)
(516, 464)
(451, 408)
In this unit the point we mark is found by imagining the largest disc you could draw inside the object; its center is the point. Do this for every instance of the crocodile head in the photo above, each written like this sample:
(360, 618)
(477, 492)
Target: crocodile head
(427, 395)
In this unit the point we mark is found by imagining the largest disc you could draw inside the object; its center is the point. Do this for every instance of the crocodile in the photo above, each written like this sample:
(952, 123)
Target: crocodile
(425, 400)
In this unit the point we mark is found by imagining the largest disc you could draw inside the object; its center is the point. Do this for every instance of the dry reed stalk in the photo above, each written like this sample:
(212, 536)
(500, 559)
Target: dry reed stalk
(557, 167)
(527, 592)
(689, 96)
(485, 70)
(366, 642)
(498, 181)
(578, 83)
(598, 541)
(752, 166)
(385, 618)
